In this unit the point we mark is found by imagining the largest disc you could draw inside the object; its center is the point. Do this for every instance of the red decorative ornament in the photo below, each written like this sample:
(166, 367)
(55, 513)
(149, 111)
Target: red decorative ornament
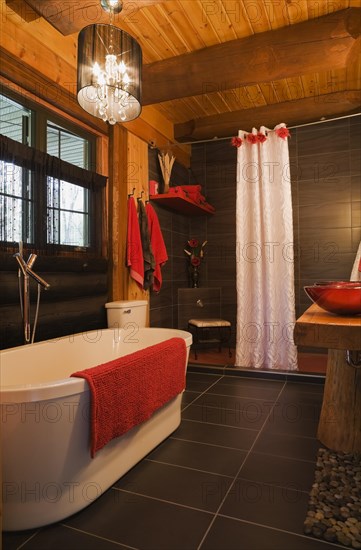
(283, 132)
(252, 138)
(236, 141)
(261, 137)
(193, 243)
(195, 261)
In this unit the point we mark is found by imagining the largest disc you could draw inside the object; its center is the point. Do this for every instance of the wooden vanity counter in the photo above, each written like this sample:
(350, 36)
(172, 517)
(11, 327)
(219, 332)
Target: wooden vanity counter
(340, 420)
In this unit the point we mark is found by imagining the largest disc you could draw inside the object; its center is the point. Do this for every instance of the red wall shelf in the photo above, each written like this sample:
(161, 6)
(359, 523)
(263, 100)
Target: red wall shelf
(180, 204)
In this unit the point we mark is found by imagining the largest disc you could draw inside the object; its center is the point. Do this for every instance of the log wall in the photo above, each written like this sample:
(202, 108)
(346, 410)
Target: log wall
(74, 302)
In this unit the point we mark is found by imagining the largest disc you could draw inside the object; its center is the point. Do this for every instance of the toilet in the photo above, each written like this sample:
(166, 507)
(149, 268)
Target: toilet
(122, 312)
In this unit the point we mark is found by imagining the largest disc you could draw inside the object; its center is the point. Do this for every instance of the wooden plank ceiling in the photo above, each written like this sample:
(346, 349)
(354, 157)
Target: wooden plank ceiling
(214, 66)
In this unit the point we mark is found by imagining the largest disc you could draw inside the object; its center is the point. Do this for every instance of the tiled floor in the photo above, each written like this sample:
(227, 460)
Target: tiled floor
(234, 476)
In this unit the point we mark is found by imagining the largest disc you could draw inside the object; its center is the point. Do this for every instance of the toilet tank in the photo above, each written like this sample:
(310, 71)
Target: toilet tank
(126, 311)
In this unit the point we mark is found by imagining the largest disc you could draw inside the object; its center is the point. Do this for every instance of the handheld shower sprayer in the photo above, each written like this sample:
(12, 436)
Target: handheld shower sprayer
(25, 269)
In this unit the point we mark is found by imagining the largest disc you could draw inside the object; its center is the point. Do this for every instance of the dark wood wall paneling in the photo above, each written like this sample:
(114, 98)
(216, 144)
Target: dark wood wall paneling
(74, 303)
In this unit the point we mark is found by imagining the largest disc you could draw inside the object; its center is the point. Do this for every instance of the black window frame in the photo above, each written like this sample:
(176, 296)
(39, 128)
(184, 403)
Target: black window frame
(95, 184)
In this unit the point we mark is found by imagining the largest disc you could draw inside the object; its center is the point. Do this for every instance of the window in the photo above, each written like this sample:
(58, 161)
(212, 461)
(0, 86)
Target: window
(16, 183)
(48, 196)
(67, 204)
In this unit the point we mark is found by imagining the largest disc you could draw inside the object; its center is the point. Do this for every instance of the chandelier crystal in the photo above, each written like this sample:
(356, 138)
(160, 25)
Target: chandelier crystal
(109, 73)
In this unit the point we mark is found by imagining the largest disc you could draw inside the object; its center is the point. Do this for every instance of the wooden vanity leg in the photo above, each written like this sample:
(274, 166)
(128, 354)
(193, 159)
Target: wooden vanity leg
(340, 422)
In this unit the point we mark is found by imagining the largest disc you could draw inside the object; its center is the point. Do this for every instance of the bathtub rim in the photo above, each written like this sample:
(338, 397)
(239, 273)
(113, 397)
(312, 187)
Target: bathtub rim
(65, 387)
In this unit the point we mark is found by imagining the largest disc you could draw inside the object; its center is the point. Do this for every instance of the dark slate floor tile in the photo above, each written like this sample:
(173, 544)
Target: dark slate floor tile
(60, 537)
(291, 423)
(275, 470)
(230, 534)
(250, 382)
(203, 377)
(200, 456)
(176, 484)
(189, 397)
(280, 507)
(247, 419)
(140, 522)
(201, 385)
(287, 445)
(293, 404)
(246, 390)
(224, 436)
(12, 540)
(305, 387)
(249, 406)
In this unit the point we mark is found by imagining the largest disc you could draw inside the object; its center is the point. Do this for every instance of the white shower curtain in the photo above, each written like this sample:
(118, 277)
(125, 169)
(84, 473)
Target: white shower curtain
(265, 261)
(356, 271)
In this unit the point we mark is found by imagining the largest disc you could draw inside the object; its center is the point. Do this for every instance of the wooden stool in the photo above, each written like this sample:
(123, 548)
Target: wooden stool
(210, 332)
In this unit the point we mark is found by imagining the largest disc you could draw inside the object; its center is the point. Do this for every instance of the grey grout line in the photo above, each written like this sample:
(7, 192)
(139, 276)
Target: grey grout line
(210, 444)
(239, 470)
(250, 398)
(230, 476)
(301, 535)
(285, 456)
(164, 500)
(221, 425)
(121, 544)
(202, 393)
(276, 485)
(188, 468)
(27, 540)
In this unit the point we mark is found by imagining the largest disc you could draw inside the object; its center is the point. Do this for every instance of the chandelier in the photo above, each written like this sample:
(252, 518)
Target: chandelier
(109, 72)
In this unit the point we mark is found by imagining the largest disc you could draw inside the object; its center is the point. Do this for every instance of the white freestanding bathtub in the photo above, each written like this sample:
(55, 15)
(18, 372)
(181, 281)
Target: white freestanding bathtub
(47, 471)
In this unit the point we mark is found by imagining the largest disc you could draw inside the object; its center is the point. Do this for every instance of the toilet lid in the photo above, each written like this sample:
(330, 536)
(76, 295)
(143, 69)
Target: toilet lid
(120, 304)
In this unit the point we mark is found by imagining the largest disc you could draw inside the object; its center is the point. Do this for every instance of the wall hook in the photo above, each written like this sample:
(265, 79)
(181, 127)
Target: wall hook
(132, 193)
(140, 197)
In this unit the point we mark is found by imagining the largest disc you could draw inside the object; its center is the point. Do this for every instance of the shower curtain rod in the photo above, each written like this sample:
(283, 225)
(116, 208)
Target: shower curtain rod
(289, 127)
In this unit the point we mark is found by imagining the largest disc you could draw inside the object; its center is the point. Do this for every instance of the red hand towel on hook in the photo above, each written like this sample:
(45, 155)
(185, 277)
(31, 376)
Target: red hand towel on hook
(135, 260)
(158, 246)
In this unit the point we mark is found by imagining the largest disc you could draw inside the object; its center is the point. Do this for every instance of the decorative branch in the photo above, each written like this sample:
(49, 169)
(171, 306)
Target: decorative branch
(166, 161)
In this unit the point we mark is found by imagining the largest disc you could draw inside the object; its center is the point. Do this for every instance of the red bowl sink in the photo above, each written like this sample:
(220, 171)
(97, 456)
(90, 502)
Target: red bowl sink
(340, 297)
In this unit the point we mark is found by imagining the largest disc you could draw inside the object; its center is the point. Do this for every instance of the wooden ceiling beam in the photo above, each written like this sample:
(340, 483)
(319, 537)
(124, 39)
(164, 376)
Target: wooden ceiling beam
(70, 17)
(311, 46)
(300, 111)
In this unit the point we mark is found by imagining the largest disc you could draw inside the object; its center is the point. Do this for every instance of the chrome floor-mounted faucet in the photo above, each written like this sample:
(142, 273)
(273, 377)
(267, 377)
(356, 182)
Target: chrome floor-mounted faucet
(25, 269)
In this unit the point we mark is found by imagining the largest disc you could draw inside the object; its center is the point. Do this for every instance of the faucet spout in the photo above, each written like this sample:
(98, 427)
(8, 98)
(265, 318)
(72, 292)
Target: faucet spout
(26, 269)
(37, 278)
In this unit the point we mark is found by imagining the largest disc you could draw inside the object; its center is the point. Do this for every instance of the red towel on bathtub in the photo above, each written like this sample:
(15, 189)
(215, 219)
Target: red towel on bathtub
(135, 260)
(128, 390)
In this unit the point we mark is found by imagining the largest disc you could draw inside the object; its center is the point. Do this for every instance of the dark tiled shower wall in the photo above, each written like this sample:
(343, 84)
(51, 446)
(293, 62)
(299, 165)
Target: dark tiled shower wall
(326, 193)
(326, 189)
(176, 231)
(214, 167)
